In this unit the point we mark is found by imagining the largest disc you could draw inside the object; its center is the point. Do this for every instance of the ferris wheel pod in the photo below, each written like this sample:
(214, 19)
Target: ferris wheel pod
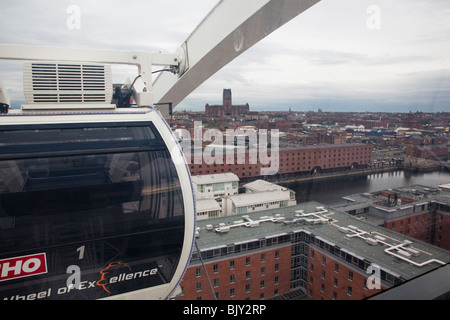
(108, 192)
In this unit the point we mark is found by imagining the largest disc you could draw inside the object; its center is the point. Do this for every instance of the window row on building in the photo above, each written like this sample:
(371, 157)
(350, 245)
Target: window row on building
(264, 268)
(304, 159)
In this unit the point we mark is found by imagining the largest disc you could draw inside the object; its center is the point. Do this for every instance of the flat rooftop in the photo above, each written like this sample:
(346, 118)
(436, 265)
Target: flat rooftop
(215, 178)
(416, 195)
(400, 255)
(263, 185)
(248, 199)
(207, 205)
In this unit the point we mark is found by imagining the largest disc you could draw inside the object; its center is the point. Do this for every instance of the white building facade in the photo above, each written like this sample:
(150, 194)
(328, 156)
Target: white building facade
(210, 191)
(252, 202)
(208, 208)
(215, 186)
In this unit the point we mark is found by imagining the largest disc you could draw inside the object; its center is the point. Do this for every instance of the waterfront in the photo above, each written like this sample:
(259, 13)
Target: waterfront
(330, 192)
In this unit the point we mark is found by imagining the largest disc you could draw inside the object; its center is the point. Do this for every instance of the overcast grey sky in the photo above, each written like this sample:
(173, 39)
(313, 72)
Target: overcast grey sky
(340, 55)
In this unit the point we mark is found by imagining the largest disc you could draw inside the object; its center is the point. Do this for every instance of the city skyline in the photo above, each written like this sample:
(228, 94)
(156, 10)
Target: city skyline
(375, 56)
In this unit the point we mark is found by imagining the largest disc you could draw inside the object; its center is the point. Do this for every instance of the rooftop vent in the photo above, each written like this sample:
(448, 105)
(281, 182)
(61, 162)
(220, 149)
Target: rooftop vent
(57, 85)
(371, 241)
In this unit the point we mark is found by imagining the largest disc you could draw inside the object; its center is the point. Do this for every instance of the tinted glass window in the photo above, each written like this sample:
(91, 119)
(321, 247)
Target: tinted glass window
(101, 198)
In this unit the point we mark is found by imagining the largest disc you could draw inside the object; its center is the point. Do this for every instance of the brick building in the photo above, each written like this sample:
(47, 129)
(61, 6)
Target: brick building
(417, 211)
(291, 161)
(227, 108)
(251, 277)
(307, 250)
(433, 152)
(329, 279)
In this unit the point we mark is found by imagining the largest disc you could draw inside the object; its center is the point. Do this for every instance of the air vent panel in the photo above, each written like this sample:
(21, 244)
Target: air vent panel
(67, 83)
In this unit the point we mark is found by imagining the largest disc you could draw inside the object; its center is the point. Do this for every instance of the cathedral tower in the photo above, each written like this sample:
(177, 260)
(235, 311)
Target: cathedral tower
(227, 103)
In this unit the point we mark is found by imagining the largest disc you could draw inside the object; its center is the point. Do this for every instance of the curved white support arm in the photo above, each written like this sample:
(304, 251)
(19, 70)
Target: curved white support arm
(231, 28)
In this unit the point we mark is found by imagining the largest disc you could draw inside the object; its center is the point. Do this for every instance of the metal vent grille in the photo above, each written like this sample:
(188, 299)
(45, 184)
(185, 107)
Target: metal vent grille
(52, 83)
